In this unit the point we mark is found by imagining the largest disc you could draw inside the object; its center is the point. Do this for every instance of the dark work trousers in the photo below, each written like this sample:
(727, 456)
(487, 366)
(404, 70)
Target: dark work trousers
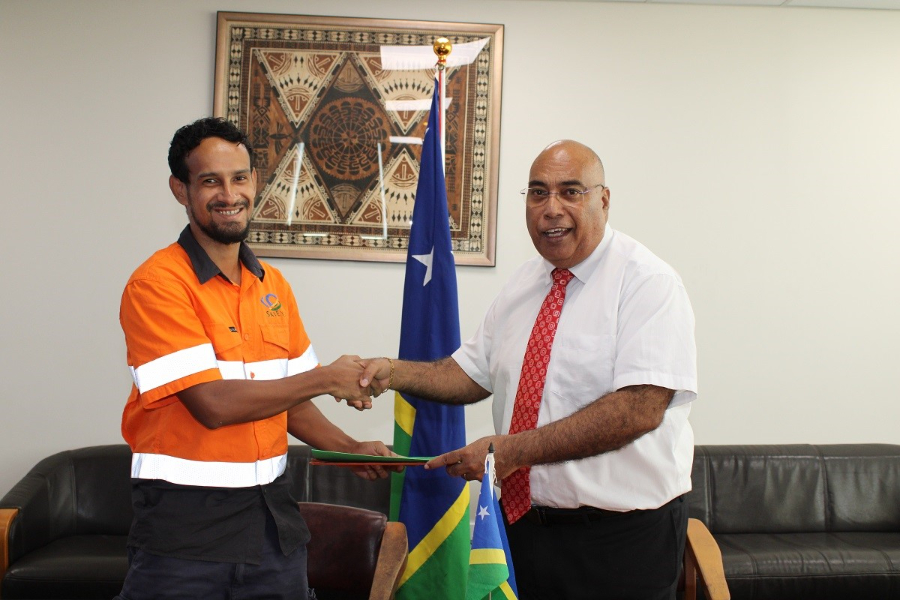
(277, 577)
(592, 555)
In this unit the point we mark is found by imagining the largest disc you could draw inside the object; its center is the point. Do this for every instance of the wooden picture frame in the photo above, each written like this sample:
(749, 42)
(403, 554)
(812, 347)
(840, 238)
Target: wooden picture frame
(336, 126)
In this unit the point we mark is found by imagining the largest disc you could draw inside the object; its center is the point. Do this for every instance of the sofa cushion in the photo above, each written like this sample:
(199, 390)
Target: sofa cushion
(862, 486)
(811, 565)
(78, 566)
(772, 488)
(102, 489)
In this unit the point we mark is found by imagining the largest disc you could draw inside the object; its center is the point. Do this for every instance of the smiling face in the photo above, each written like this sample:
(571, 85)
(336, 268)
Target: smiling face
(566, 231)
(220, 191)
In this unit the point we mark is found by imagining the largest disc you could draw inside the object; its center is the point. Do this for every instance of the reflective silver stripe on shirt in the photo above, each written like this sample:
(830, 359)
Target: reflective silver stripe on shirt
(276, 368)
(183, 363)
(232, 369)
(174, 366)
(266, 369)
(207, 473)
(303, 363)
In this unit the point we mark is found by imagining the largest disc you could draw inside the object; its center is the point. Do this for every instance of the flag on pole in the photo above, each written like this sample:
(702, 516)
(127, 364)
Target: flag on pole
(490, 567)
(433, 506)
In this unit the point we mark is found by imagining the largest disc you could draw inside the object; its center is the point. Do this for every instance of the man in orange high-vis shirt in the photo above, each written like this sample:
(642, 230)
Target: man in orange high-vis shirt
(223, 370)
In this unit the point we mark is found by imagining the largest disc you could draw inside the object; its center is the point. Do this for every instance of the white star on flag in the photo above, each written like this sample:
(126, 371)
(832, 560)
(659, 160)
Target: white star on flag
(483, 512)
(426, 259)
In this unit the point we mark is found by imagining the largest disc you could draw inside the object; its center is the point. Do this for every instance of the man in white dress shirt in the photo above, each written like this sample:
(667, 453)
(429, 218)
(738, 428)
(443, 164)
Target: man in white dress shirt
(610, 456)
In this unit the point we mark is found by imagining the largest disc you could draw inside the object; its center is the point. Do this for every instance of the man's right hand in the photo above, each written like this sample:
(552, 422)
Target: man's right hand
(376, 375)
(346, 373)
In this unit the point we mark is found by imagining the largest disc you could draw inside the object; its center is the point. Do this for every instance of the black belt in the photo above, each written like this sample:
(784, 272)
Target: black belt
(547, 515)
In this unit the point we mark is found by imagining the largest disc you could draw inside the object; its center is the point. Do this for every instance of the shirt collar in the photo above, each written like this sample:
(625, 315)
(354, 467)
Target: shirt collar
(205, 269)
(583, 270)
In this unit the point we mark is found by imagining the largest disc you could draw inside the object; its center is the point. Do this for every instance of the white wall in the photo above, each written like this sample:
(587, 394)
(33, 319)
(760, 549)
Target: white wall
(752, 148)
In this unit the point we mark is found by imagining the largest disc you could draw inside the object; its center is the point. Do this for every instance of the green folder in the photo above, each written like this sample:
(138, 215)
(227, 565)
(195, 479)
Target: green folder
(324, 457)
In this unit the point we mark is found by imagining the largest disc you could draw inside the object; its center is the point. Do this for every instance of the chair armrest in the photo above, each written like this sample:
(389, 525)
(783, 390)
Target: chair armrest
(391, 562)
(7, 515)
(45, 499)
(353, 550)
(703, 558)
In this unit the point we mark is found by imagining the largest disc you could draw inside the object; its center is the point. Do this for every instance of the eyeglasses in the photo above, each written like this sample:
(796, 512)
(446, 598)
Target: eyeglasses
(570, 195)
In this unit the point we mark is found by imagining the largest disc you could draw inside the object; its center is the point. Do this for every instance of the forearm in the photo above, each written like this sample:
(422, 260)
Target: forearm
(439, 381)
(307, 423)
(226, 402)
(607, 424)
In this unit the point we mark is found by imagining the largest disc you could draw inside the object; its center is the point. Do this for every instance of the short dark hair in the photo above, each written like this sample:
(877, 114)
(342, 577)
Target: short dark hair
(189, 137)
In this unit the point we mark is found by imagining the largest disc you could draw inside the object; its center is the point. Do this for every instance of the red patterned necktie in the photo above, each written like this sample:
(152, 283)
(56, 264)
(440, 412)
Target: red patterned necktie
(516, 488)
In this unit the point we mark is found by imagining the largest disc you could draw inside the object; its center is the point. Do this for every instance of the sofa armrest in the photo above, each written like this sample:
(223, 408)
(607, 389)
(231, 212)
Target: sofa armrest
(44, 498)
(391, 562)
(703, 560)
(7, 515)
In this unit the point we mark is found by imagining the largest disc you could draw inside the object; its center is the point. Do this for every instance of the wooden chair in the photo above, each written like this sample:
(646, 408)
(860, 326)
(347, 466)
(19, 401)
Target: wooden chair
(7, 515)
(354, 553)
(703, 563)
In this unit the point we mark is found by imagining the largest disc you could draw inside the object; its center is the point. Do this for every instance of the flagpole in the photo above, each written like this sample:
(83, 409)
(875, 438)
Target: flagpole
(488, 479)
(433, 505)
(442, 48)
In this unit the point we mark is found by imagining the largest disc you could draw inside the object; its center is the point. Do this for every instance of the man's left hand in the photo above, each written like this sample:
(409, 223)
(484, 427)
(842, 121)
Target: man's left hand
(373, 472)
(468, 462)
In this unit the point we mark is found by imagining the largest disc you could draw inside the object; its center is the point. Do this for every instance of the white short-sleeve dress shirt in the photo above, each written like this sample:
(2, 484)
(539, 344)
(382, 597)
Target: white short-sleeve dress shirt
(626, 321)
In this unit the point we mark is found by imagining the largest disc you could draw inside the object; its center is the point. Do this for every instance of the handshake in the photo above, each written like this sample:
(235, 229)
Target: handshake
(357, 380)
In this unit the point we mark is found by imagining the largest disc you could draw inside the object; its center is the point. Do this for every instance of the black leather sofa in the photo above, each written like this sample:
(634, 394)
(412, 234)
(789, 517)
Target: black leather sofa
(63, 530)
(802, 521)
(67, 540)
(794, 521)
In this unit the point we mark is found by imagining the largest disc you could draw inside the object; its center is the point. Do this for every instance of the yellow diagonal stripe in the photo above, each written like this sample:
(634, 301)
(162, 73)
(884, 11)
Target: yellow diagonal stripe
(404, 414)
(424, 549)
(507, 591)
(487, 556)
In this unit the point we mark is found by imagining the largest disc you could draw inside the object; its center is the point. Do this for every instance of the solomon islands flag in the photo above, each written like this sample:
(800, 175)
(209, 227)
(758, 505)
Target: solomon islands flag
(433, 506)
(490, 566)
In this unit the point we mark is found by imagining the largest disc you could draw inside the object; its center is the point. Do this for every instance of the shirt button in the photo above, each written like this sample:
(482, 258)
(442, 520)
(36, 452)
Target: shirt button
(246, 336)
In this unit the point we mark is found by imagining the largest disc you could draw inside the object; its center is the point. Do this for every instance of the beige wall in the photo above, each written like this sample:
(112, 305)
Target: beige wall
(754, 149)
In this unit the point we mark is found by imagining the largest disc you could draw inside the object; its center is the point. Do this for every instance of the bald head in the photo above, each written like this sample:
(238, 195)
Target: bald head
(574, 152)
(567, 222)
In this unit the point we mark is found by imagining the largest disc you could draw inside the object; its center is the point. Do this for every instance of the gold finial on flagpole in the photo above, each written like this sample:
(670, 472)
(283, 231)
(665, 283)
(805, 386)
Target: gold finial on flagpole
(442, 47)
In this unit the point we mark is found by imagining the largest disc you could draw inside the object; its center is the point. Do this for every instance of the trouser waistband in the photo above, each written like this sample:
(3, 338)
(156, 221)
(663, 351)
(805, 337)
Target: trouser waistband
(548, 515)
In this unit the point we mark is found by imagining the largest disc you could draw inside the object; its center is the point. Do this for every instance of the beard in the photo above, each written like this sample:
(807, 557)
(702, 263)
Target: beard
(230, 233)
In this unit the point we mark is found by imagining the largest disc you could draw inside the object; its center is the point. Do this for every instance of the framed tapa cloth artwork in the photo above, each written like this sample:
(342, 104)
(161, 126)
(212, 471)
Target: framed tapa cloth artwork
(336, 110)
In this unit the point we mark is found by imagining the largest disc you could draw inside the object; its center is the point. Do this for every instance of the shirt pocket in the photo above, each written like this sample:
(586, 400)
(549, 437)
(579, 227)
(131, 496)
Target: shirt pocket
(583, 367)
(229, 354)
(277, 340)
(224, 340)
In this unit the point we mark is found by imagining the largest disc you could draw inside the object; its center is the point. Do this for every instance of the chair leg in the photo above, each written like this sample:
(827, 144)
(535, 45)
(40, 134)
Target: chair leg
(391, 562)
(703, 558)
(690, 577)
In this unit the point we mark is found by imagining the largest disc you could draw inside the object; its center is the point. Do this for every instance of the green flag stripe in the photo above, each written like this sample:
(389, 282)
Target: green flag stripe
(441, 576)
(402, 443)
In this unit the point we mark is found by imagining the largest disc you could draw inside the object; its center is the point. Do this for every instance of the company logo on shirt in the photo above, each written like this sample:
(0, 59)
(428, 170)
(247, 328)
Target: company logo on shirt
(270, 301)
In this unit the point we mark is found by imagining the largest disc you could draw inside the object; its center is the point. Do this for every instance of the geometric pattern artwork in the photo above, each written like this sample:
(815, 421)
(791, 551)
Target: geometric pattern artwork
(337, 136)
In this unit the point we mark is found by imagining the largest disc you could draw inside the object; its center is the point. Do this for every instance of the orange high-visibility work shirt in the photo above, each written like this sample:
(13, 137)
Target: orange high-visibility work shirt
(186, 324)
